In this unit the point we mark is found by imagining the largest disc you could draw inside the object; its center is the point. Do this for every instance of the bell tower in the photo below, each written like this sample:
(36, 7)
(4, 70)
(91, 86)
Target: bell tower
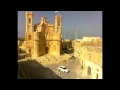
(29, 21)
(55, 49)
(58, 24)
(29, 32)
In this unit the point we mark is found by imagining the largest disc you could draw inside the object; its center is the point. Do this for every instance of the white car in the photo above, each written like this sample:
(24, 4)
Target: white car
(63, 69)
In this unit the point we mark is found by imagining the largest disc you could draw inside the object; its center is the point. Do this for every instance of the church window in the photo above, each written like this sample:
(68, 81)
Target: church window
(29, 37)
(58, 23)
(29, 20)
(29, 50)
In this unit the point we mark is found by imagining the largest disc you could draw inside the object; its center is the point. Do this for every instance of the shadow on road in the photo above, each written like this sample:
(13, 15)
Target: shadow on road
(34, 70)
(21, 57)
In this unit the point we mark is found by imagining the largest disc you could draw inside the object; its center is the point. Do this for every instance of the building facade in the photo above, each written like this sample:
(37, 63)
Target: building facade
(92, 62)
(78, 43)
(43, 38)
(89, 53)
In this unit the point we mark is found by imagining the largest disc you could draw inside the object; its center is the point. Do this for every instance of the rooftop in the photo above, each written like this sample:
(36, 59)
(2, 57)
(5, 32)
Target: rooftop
(91, 48)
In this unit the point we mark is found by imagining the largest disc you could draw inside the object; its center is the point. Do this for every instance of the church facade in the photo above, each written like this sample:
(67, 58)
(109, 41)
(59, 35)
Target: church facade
(44, 37)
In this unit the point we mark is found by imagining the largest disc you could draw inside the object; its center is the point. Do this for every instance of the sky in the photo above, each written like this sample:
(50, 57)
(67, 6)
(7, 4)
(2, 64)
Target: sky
(86, 23)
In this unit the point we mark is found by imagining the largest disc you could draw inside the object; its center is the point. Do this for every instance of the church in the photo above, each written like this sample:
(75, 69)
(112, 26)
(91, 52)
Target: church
(43, 38)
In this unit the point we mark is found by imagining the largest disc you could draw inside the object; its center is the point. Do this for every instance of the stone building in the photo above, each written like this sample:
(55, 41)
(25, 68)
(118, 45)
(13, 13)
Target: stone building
(91, 61)
(78, 43)
(90, 38)
(89, 53)
(44, 37)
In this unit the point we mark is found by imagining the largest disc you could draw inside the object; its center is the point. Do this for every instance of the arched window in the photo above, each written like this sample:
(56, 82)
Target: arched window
(58, 23)
(29, 37)
(29, 20)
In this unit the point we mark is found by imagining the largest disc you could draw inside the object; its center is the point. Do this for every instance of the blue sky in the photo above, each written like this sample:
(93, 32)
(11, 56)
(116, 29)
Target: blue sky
(88, 23)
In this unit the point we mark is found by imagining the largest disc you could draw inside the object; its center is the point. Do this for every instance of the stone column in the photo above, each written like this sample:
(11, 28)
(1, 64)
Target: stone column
(36, 49)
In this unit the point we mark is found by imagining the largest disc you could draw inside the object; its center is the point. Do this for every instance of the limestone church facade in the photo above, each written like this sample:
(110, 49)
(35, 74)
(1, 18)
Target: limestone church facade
(44, 37)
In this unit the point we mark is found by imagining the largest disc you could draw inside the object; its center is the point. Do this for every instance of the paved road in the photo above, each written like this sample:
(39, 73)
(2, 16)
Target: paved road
(37, 71)
(34, 70)
(70, 65)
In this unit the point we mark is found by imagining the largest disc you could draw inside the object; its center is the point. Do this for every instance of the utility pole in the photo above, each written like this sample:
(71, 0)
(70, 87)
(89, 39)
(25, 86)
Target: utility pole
(76, 33)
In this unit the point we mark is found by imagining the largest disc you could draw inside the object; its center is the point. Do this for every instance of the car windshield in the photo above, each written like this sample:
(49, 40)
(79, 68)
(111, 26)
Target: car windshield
(64, 68)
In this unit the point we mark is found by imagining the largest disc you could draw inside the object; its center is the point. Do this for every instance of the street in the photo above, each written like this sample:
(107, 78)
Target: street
(34, 70)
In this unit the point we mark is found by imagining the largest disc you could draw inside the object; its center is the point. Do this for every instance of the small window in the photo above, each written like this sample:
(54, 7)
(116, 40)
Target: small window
(29, 37)
(58, 23)
(29, 50)
(29, 20)
(96, 76)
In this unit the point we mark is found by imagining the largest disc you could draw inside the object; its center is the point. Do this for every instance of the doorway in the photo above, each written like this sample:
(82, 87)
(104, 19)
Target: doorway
(96, 76)
(29, 51)
(46, 50)
(89, 71)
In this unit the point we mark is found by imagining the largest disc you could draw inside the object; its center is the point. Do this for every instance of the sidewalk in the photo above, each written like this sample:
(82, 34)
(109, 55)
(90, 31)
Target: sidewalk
(80, 71)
